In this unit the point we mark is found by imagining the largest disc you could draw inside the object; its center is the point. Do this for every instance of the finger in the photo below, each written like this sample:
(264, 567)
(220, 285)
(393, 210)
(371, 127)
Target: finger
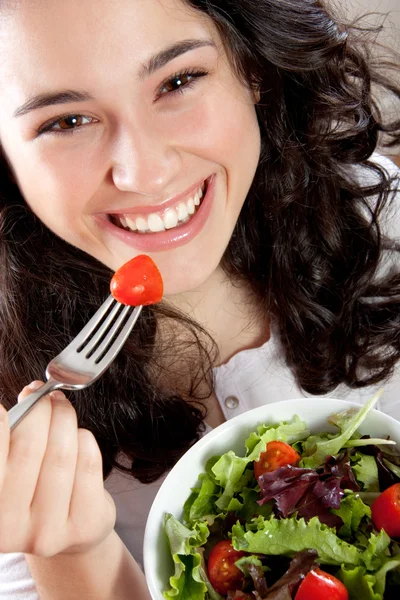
(34, 385)
(51, 501)
(92, 514)
(4, 443)
(28, 444)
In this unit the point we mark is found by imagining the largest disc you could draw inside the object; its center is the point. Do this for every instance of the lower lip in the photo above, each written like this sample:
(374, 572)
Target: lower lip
(171, 238)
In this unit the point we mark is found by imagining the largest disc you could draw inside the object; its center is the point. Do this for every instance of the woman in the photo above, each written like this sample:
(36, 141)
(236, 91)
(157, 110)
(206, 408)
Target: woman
(232, 142)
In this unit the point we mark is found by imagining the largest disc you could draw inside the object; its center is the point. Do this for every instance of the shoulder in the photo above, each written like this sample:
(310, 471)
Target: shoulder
(389, 219)
(366, 176)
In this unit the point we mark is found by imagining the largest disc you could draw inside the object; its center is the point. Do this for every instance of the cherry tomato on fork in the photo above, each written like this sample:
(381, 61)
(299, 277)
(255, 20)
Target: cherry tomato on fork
(386, 511)
(317, 585)
(277, 454)
(137, 282)
(222, 572)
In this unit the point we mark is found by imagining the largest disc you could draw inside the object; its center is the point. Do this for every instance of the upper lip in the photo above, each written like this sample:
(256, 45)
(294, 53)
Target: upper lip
(144, 209)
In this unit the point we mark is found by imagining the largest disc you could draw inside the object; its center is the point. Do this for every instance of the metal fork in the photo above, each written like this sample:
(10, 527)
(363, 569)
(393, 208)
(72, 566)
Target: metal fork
(87, 357)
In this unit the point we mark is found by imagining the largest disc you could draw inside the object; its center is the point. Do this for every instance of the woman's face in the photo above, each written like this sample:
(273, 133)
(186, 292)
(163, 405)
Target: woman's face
(116, 117)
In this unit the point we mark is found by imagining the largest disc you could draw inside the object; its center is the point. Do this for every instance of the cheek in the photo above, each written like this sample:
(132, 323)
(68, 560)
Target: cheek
(224, 136)
(55, 188)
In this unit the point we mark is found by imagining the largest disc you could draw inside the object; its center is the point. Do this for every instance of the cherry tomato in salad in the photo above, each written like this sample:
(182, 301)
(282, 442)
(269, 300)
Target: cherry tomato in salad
(317, 584)
(222, 571)
(386, 511)
(137, 282)
(277, 454)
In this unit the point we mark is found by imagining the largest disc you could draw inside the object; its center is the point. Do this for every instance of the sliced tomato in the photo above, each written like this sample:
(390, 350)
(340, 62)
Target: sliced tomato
(222, 572)
(137, 282)
(319, 585)
(277, 454)
(386, 511)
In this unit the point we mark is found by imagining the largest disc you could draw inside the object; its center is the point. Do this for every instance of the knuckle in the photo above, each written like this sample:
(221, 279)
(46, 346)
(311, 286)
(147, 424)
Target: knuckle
(59, 400)
(63, 410)
(45, 545)
(90, 459)
(61, 457)
(24, 452)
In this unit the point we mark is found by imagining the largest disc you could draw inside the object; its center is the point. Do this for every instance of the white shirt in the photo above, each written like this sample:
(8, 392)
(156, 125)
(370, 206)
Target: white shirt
(250, 379)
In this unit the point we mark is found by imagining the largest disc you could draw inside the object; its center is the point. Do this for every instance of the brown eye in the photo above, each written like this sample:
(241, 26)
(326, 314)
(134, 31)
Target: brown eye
(67, 124)
(177, 82)
(180, 83)
(70, 122)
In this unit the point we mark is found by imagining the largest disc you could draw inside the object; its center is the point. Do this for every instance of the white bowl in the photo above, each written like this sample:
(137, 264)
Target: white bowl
(231, 435)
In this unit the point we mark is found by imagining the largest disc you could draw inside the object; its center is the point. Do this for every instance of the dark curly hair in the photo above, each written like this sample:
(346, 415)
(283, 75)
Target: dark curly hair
(307, 242)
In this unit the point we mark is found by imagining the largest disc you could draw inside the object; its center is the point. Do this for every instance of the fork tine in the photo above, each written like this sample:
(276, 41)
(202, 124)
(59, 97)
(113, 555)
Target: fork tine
(103, 330)
(93, 323)
(111, 349)
(107, 331)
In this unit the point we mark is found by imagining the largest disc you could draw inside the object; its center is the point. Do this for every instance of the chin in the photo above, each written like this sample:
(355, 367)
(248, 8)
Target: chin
(180, 284)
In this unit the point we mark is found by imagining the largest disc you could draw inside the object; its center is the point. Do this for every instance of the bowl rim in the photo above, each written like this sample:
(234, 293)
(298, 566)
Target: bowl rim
(253, 414)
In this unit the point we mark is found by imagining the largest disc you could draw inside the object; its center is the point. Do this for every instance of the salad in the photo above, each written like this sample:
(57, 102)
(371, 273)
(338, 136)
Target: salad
(298, 516)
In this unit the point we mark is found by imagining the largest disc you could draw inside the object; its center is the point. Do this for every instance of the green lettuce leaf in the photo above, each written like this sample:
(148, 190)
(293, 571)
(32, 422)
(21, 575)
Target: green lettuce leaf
(366, 472)
(288, 536)
(229, 469)
(390, 564)
(359, 583)
(394, 468)
(212, 594)
(289, 432)
(318, 447)
(244, 562)
(202, 500)
(187, 582)
(362, 585)
(250, 508)
(375, 553)
(352, 511)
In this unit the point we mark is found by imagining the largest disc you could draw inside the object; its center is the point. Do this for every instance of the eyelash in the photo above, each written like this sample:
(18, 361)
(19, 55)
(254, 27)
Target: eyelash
(192, 73)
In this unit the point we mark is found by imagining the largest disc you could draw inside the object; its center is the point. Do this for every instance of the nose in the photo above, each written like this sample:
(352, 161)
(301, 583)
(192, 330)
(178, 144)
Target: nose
(143, 161)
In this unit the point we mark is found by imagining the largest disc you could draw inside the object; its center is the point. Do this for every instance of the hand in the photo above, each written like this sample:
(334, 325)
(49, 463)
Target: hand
(52, 497)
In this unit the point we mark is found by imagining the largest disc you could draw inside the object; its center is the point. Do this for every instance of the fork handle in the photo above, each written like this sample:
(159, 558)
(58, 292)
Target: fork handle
(19, 411)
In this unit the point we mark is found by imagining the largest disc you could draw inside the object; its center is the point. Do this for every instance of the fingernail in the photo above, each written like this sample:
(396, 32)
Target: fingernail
(57, 395)
(35, 385)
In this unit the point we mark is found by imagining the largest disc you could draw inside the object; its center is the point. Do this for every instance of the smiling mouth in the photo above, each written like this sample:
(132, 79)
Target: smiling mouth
(171, 218)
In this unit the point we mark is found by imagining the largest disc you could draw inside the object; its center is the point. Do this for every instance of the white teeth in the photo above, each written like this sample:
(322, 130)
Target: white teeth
(141, 224)
(190, 206)
(156, 223)
(131, 223)
(182, 211)
(170, 218)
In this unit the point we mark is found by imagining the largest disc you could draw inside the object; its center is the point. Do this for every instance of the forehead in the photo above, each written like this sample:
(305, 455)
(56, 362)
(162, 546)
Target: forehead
(44, 41)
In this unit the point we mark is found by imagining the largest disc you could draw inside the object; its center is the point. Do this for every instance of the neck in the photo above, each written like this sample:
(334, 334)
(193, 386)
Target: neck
(228, 312)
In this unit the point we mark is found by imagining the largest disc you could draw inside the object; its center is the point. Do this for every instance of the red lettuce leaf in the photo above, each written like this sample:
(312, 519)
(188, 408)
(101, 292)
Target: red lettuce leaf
(308, 492)
(257, 575)
(288, 584)
(238, 595)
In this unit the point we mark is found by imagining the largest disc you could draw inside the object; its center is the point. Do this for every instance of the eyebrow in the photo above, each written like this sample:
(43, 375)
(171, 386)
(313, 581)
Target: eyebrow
(165, 56)
(48, 99)
(156, 62)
